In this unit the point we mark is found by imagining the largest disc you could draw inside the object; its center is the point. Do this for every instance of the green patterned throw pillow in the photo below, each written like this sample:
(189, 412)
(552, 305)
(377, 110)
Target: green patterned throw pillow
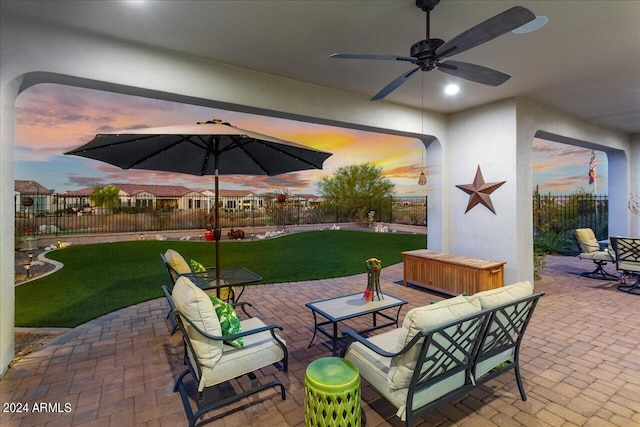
(229, 322)
(196, 267)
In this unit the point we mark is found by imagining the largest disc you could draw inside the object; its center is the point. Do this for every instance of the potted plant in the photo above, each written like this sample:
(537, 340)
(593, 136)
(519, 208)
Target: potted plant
(209, 221)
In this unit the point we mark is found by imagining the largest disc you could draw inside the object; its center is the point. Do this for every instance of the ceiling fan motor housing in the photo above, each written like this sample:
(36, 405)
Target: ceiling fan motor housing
(425, 50)
(427, 5)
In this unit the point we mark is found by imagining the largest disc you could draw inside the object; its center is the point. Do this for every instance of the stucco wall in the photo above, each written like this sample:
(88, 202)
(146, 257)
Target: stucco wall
(485, 137)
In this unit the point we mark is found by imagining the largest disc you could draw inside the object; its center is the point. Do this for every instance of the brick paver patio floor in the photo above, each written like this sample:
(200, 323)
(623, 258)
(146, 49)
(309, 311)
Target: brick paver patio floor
(580, 363)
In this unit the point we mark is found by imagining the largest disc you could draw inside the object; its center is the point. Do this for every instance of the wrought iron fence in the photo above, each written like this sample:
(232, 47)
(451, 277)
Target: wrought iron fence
(559, 214)
(63, 215)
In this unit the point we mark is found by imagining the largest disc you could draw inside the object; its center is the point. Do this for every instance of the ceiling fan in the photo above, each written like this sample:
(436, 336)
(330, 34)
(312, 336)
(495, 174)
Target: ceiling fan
(428, 54)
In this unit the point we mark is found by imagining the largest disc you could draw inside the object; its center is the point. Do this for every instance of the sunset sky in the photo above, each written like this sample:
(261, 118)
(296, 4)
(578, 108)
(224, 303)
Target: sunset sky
(52, 119)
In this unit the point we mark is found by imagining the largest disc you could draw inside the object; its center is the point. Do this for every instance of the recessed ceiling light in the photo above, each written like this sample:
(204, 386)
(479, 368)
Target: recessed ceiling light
(451, 89)
(532, 26)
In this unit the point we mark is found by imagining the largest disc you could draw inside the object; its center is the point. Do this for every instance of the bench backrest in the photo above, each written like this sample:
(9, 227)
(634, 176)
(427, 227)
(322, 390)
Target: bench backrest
(503, 335)
(627, 250)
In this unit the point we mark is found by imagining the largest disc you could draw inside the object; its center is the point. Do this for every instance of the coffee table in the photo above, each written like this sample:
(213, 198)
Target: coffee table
(338, 309)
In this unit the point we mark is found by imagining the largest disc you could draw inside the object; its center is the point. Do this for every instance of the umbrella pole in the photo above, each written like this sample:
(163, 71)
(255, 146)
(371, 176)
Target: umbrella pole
(217, 232)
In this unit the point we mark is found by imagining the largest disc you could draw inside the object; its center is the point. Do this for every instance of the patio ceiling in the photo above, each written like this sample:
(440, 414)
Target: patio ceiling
(585, 61)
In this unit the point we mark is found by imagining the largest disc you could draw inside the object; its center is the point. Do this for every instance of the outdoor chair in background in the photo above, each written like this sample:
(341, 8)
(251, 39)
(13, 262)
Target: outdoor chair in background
(590, 249)
(212, 358)
(627, 252)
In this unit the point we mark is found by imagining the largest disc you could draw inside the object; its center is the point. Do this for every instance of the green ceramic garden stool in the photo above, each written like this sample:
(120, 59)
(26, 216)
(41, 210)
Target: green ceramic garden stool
(332, 393)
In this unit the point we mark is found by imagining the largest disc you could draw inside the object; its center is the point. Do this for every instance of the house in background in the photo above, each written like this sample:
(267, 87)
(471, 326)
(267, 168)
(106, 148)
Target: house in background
(235, 200)
(159, 197)
(32, 198)
(307, 200)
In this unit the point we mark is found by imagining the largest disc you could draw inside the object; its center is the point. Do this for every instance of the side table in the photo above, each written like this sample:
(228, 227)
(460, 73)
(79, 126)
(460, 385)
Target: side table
(332, 394)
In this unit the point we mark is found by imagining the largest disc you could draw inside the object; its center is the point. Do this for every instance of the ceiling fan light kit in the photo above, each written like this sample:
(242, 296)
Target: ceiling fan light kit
(429, 54)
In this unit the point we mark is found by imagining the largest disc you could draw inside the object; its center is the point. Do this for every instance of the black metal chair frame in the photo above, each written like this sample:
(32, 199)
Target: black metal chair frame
(170, 315)
(459, 347)
(627, 250)
(194, 368)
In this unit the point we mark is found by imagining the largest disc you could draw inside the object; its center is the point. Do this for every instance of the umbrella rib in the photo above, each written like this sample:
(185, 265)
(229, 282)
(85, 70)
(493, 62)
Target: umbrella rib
(282, 150)
(239, 143)
(182, 138)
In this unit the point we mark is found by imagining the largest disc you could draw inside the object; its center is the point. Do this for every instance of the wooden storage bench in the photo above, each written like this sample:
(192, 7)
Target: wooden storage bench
(451, 274)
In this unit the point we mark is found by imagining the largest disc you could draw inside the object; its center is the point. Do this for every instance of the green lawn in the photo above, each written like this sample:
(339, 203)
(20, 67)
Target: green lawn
(101, 278)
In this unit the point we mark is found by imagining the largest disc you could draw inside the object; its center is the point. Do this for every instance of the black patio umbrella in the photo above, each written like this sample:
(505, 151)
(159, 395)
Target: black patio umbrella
(206, 148)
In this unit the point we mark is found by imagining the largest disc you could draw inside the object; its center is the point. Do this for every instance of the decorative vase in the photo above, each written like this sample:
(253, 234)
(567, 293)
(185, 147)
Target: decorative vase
(373, 292)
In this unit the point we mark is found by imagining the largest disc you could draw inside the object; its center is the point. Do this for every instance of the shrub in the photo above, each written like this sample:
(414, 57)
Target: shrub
(551, 242)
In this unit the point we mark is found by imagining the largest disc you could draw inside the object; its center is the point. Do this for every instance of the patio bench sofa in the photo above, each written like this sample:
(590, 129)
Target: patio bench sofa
(445, 349)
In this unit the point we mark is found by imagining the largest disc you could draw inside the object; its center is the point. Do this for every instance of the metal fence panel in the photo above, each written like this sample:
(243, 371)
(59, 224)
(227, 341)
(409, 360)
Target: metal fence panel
(562, 213)
(75, 215)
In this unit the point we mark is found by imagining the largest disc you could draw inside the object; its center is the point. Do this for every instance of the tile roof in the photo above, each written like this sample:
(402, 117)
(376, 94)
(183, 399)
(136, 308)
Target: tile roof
(232, 193)
(30, 187)
(133, 189)
(178, 191)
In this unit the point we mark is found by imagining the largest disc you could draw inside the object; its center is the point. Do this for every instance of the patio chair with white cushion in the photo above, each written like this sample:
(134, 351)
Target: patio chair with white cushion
(627, 251)
(590, 249)
(210, 357)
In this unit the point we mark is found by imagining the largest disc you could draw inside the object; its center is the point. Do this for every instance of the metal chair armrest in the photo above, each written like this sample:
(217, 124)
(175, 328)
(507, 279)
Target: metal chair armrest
(353, 336)
(230, 337)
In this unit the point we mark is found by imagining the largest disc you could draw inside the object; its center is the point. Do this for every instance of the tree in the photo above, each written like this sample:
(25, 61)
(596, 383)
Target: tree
(356, 189)
(105, 197)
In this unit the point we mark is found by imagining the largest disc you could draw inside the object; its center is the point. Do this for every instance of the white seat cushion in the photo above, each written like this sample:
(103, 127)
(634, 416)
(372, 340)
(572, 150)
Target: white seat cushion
(259, 350)
(629, 266)
(599, 256)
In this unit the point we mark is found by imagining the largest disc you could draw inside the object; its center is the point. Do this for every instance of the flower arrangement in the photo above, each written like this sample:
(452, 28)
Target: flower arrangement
(373, 292)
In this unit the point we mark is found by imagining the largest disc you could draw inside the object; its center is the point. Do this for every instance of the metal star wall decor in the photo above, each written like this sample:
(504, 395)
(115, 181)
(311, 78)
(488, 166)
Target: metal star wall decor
(479, 191)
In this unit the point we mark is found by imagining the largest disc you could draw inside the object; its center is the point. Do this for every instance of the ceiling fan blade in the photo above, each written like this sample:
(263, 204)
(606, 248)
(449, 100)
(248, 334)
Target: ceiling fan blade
(475, 73)
(488, 30)
(366, 56)
(393, 85)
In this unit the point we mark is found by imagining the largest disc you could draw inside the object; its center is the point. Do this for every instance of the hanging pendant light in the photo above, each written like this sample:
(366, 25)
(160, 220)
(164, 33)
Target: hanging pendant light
(422, 180)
